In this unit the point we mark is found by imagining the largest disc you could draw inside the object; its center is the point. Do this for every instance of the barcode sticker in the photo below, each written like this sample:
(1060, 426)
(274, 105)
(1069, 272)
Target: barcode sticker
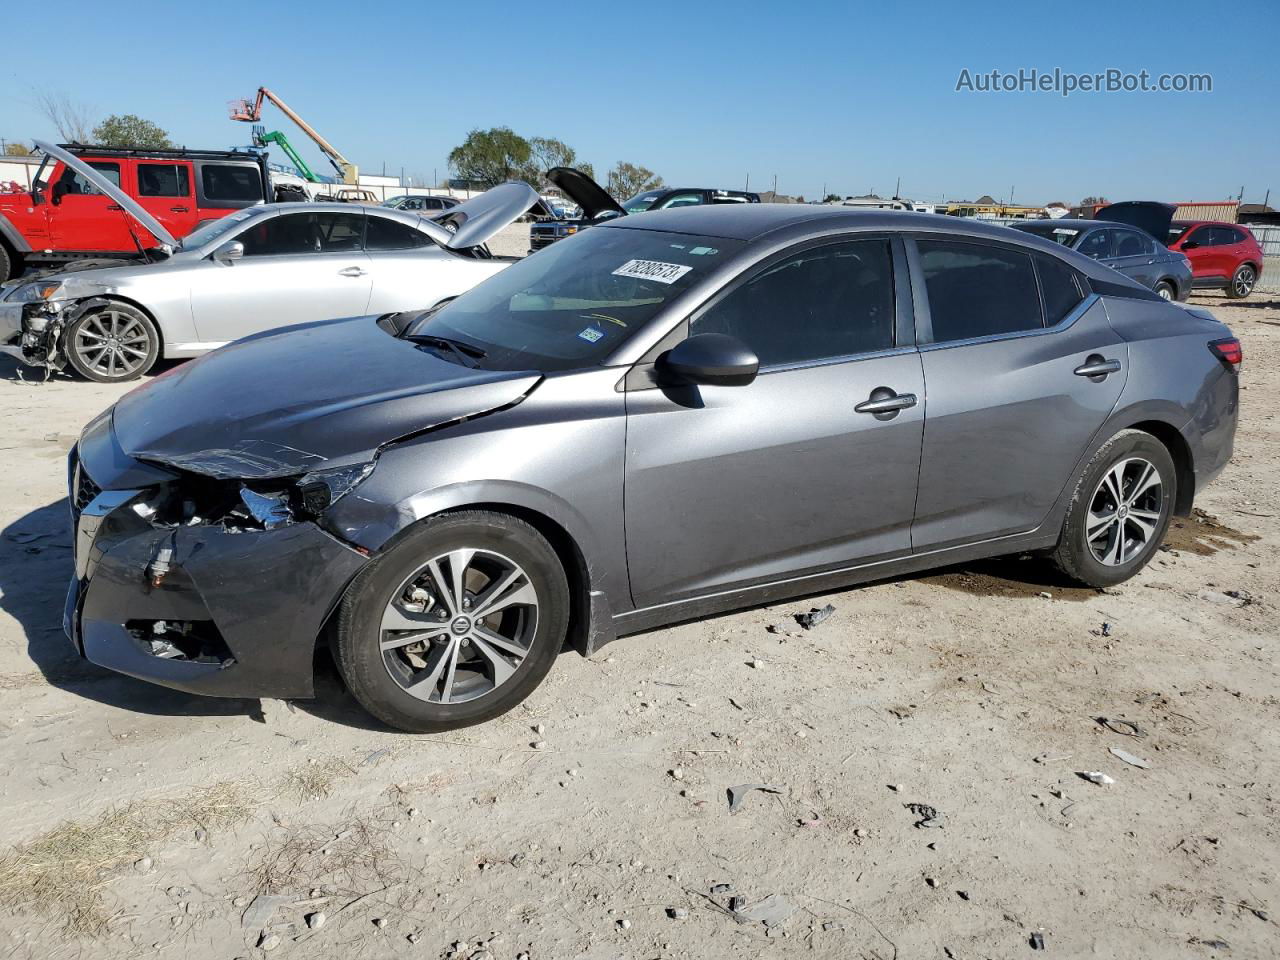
(652, 270)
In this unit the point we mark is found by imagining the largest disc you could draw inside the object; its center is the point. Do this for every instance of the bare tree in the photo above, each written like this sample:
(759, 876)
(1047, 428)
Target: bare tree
(72, 119)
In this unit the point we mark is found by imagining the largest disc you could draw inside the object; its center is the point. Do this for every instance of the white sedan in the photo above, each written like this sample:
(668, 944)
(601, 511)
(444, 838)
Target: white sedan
(265, 267)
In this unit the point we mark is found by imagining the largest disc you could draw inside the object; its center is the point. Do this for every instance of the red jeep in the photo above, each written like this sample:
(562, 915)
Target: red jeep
(64, 218)
(1224, 256)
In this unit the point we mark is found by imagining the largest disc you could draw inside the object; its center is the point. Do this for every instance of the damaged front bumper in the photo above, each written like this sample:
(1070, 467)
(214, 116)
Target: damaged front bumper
(32, 332)
(207, 608)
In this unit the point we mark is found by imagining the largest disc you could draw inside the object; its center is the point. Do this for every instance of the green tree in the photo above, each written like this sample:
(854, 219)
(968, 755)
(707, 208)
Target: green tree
(128, 130)
(549, 152)
(832, 198)
(16, 150)
(492, 156)
(628, 179)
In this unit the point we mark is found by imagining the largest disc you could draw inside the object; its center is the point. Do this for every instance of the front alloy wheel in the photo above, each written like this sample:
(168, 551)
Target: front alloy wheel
(112, 344)
(456, 623)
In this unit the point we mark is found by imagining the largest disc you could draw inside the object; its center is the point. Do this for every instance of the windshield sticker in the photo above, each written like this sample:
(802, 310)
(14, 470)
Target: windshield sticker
(703, 251)
(652, 270)
(1065, 232)
(591, 334)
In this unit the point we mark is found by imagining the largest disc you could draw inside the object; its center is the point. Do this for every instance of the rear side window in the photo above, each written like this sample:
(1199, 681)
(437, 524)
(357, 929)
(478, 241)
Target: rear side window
(1130, 244)
(163, 180)
(297, 233)
(978, 291)
(1096, 244)
(386, 234)
(1059, 287)
(830, 301)
(1226, 236)
(225, 182)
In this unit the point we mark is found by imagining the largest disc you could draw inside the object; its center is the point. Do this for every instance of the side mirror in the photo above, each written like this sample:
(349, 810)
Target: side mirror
(60, 190)
(229, 252)
(713, 359)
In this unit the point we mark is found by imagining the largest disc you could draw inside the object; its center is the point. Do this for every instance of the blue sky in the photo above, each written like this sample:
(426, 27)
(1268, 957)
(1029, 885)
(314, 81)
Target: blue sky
(847, 96)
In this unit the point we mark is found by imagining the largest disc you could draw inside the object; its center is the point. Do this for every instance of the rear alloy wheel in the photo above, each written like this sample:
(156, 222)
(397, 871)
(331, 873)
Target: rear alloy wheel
(1242, 282)
(112, 343)
(460, 636)
(1120, 511)
(1165, 290)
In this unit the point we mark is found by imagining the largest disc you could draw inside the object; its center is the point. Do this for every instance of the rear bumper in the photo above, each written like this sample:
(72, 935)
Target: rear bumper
(257, 599)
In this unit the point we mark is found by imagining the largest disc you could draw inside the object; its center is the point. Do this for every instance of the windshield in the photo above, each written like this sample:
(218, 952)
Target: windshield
(212, 230)
(1063, 235)
(641, 201)
(573, 303)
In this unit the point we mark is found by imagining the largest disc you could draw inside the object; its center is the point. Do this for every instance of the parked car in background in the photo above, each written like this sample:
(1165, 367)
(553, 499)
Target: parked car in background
(597, 206)
(1131, 251)
(263, 267)
(446, 488)
(65, 218)
(427, 205)
(1224, 256)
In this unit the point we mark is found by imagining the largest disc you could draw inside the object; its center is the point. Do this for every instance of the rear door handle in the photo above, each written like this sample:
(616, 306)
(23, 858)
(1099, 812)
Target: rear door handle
(884, 401)
(1097, 366)
(179, 209)
(351, 272)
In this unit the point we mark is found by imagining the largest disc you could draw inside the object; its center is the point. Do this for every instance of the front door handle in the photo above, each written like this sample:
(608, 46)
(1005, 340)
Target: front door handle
(884, 403)
(351, 272)
(179, 209)
(114, 206)
(1097, 367)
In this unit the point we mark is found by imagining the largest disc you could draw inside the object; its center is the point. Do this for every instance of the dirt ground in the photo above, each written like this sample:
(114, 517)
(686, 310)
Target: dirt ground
(594, 822)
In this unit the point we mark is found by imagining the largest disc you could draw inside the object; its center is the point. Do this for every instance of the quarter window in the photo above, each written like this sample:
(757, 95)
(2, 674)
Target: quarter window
(296, 233)
(221, 181)
(163, 180)
(1058, 286)
(384, 233)
(1096, 245)
(831, 301)
(978, 291)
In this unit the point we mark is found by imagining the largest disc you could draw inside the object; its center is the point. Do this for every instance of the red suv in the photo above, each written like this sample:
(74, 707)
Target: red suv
(1224, 256)
(65, 218)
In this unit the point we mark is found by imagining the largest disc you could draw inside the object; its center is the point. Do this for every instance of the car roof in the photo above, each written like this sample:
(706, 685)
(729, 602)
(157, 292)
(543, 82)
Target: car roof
(1073, 223)
(1204, 223)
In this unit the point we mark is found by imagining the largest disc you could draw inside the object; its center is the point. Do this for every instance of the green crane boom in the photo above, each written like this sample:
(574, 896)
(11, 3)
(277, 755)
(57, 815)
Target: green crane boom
(261, 139)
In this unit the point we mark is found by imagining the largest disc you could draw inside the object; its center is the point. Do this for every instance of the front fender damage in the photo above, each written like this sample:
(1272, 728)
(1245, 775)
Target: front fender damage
(44, 325)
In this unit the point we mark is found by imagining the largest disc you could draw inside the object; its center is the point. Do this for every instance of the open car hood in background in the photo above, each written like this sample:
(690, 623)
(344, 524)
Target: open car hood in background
(481, 217)
(1147, 215)
(584, 191)
(131, 206)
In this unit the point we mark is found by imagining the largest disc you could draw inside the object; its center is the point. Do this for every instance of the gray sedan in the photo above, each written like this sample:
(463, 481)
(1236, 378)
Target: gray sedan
(661, 418)
(1127, 249)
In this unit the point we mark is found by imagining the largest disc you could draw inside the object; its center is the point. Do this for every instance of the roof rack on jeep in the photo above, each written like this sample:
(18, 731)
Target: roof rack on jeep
(79, 148)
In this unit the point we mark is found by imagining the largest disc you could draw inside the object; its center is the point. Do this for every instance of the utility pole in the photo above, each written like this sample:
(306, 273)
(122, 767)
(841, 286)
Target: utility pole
(897, 189)
(748, 184)
(1240, 196)
(1266, 198)
(775, 186)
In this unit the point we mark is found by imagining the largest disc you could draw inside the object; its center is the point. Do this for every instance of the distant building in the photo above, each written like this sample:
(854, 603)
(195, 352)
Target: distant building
(768, 196)
(988, 208)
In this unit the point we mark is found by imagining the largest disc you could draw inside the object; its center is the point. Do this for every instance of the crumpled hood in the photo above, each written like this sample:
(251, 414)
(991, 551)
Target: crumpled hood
(289, 401)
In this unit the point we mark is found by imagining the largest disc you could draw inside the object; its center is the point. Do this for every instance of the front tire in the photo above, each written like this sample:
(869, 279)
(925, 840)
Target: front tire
(112, 343)
(1120, 511)
(454, 625)
(1242, 282)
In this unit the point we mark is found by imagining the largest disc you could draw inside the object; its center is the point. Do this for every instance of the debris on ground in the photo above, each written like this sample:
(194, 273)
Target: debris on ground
(815, 616)
(1037, 941)
(738, 794)
(258, 915)
(677, 913)
(929, 816)
(1095, 776)
(1128, 758)
(771, 911)
(374, 757)
(722, 888)
(903, 713)
(1217, 943)
(1126, 728)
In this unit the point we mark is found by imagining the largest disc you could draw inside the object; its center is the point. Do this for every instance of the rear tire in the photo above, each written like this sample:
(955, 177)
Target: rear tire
(414, 643)
(1242, 282)
(113, 343)
(1120, 510)
(1165, 289)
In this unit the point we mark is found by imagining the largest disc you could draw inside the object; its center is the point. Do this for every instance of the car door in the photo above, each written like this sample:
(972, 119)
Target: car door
(1198, 248)
(409, 272)
(1225, 250)
(81, 218)
(793, 473)
(165, 191)
(1134, 255)
(1096, 244)
(1012, 406)
(296, 268)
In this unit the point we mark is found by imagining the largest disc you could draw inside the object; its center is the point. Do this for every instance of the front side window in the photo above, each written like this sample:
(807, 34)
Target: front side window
(829, 301)
(296, 233)
(1131, 244)
(977, 290)
(383, 233)
(71, 182)
(221, 181)
(577, 301)
(1096, 244)
(681, 200)
(1203, 236)
(163, 180)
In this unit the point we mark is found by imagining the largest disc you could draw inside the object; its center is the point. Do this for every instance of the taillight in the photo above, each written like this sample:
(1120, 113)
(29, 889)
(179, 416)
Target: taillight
(1228, 350)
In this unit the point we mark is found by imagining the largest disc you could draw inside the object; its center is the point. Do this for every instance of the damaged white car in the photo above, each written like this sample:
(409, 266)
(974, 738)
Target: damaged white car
(259, 269)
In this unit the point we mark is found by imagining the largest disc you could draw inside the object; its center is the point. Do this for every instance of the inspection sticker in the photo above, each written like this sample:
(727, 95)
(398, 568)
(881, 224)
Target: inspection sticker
(652, 270)
(591, 334)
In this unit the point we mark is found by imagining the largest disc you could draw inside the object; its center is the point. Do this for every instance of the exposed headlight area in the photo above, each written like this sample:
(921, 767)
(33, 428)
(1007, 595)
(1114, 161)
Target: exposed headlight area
(42, 290)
